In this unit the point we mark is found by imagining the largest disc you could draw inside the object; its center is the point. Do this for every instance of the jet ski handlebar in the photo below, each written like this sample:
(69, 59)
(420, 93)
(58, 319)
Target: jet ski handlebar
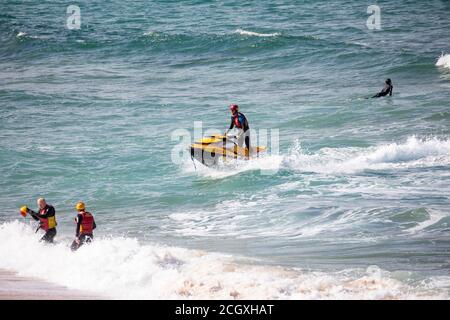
(231, 138)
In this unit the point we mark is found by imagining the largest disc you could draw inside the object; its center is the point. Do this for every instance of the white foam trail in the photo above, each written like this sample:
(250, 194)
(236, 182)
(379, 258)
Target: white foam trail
(413, 153)
(25, 35)
(443, 61)
(264, 164)
(256, 34)
(124, 268)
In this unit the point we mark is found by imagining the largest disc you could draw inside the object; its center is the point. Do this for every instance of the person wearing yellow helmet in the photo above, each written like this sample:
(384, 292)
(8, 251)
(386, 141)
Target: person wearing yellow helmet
(46, 216)
(85, 222)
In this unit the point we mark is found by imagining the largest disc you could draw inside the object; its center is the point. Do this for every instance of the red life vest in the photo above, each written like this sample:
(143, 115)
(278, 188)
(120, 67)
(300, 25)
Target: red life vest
(238, 123)
(87, 224)
(46, 223)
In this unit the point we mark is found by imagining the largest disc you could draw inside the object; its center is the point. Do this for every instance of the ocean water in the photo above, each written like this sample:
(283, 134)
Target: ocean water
(355, 205)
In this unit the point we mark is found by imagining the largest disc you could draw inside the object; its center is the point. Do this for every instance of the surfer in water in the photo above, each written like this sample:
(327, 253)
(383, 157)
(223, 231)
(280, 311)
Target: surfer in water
(387, 89)
(239, 121)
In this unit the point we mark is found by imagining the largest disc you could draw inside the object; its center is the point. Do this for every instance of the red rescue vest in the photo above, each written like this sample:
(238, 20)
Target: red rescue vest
(87, 224)
(237, 123)
(46, 223)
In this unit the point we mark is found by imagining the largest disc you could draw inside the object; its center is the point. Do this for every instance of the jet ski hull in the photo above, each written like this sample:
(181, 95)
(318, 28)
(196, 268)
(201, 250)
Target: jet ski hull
(210, 150)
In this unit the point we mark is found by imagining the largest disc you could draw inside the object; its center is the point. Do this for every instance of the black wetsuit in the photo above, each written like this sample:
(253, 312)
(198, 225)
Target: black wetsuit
(84, 238)
(50, 212)
(387, 90)
(245, 128)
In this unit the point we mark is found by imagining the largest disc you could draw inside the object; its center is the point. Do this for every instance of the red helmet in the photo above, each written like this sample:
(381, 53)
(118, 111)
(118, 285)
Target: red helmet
(234, 108)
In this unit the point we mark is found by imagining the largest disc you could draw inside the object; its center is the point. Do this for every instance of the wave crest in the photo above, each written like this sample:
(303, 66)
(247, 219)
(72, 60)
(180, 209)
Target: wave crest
(443, 61)
(410, 154)
(256, 34)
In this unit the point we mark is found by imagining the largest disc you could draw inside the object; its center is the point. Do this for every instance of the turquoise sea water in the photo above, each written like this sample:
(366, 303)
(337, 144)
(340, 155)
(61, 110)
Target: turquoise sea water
(362, 184)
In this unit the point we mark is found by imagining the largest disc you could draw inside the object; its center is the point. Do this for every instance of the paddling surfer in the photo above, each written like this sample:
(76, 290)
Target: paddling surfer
(387, 89)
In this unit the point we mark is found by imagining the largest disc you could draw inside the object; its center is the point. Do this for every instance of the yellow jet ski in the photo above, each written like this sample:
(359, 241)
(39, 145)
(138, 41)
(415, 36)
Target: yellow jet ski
(209, 150)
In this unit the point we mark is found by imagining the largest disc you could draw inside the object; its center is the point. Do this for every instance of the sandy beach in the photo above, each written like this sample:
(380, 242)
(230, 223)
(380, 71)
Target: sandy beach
(14, 287)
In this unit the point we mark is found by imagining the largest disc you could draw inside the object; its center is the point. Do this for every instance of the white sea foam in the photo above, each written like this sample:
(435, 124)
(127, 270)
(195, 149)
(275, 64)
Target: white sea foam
(444, 61)
(231, 167)
(150, 33)
(124, 268)
(435, 217)
(331, 165)
(413, 153)
(22, 34)
(262, 217)
(256, 34)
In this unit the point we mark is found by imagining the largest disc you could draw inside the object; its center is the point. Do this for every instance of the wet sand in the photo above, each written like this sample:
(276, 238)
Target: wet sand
(14, 287)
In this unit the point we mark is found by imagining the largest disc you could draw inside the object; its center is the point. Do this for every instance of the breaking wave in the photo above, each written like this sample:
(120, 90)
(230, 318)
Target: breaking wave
(444, 61)
(152, 271)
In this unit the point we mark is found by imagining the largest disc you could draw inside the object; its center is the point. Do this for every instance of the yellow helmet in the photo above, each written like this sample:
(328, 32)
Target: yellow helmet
(80, 206)
(24, 211)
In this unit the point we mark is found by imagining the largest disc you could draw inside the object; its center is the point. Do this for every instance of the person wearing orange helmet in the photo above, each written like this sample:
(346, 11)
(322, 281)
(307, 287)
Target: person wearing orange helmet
(85, 222)
(239, 120)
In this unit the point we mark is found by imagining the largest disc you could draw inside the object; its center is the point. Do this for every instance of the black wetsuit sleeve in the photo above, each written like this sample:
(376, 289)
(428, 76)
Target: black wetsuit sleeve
(390, 90)
(33, 214)
(231, 124)
(79, 220)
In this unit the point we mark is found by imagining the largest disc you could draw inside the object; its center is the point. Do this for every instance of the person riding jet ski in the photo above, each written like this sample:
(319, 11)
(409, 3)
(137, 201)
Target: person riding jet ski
(209, 150)
(239, 121)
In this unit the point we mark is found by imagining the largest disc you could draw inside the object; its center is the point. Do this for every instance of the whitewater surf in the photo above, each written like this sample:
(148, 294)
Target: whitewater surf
(349, 200)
